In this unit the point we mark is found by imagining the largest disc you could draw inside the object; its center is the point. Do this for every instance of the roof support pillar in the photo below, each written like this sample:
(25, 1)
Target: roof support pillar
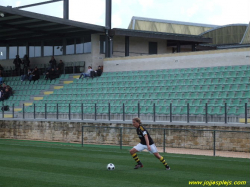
(126, 45)
(193, 47)
(65, 9)
(178, 47)
(107, 45)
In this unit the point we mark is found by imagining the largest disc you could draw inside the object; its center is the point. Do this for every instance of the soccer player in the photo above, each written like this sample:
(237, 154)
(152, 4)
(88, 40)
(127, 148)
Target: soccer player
(146, 143)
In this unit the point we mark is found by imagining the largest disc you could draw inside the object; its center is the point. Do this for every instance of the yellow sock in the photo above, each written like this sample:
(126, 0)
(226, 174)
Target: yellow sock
(163, 161)
(136, 158)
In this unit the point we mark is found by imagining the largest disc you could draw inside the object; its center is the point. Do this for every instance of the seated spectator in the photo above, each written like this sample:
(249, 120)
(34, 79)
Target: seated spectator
(52, 74)
(4, 86)
(30, 75)
(60, 67)
(5, 94)
(96, 73)
(47, 75)
(86, 74)
(57, 73)
(52, 62)
(35, 74)
(10, 90)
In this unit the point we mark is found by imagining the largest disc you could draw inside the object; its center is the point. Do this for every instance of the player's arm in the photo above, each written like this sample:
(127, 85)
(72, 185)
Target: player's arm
(147, 141)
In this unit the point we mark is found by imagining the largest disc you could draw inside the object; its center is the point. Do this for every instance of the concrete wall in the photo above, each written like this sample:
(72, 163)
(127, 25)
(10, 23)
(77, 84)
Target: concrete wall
(226, 57)
(186, 136)
(93, 59)
(138, 46)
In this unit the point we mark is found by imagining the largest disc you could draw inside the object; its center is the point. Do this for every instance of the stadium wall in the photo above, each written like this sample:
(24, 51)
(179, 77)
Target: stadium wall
(187, 136)
(137, 46)
(226, 57)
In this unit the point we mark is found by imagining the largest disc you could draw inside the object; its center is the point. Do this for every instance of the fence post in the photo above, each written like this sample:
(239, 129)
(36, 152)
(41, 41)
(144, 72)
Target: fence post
(120, 137)
(170, 112)
(45, 110)
(82, 136)
(95, 111)
(154, 111)
(206, 112)
(109, 111)
(138, 109)
(69, 112)
(13, 110)
(245, 113)
(34, 111)
(214, 142)
(23, 111)
(57, 111)
(123, 111)
(225, 112)
(164, 141)
(2, 109)
(188, 113)
(82, 110)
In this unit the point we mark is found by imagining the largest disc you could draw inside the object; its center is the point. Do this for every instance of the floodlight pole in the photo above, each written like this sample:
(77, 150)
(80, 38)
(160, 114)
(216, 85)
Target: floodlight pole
(65, 9)
(108, 19)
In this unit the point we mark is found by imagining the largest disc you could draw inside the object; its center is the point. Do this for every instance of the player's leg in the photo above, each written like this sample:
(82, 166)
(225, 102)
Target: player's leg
(157, 155)
(133, 152)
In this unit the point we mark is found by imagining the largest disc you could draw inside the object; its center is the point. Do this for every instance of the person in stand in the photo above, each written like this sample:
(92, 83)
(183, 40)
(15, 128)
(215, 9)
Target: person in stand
(146, 143)
(52, 74)
(57, 73)
(60, 67)
(5, 94)
(96, 73)
(17, 61)
(87, 74)
(35, 74)
(52, 62)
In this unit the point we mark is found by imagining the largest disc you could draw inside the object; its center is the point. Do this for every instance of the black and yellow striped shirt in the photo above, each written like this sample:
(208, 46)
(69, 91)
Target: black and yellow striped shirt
(141, 132)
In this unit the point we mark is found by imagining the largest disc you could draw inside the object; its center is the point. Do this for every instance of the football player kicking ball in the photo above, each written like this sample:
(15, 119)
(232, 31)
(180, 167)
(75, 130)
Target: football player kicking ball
(146, 143)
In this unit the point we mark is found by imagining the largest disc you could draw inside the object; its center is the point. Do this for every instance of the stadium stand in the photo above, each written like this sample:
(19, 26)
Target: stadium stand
(194, 86)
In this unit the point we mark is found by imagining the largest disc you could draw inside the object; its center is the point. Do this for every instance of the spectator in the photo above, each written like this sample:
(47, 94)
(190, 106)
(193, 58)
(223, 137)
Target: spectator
(4, 86)
(17, 61)
(52, 63)
(30, 74)
(86, 74)
(60, 67)
(1, 67)
(52, 74)
(98, 72)
(26, 61)
(5, 94)
(47, 75)
(57, 73)
(35, 74)
(26, 75)
(10, 90)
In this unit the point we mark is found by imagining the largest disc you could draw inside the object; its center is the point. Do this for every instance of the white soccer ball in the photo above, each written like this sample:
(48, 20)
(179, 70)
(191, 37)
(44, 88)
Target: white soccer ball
(110, 166)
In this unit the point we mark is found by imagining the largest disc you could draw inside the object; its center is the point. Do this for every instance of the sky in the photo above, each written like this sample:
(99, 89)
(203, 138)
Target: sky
(215, 12)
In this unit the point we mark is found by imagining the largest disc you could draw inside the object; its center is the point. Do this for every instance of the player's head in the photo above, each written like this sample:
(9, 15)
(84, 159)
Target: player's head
(136, 122)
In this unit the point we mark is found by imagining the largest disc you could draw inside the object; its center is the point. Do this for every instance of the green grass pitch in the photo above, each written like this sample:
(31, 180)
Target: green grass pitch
(40, 164)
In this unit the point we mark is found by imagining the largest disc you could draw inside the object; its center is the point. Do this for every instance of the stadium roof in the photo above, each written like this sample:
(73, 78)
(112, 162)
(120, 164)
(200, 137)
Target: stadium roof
(246, 37)
(172, 38)
(19, 24)
(177, 27)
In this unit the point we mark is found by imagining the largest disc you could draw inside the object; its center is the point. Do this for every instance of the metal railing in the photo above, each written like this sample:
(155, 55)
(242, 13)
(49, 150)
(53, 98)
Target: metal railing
(78, 111)
(179, 140)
